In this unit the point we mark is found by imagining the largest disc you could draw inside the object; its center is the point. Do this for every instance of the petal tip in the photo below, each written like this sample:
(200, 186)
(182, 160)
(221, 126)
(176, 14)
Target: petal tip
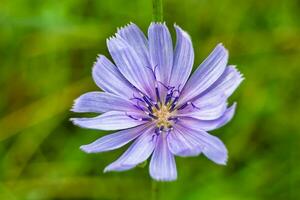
(220, 45)
(106, 169)
(180, 31)
(221, 48)
(158, 24)
(85, 149)
(238, 73)
(99, 60)
(74, 107)
(109, 168)
(234, 104)
(224, 162)
(221, 161)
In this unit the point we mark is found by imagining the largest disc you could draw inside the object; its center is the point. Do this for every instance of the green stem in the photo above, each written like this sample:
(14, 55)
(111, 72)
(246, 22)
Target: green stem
(154, 190)
(157, 10)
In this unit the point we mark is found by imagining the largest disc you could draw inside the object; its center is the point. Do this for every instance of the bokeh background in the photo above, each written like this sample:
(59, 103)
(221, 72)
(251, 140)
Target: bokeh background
(47, 49)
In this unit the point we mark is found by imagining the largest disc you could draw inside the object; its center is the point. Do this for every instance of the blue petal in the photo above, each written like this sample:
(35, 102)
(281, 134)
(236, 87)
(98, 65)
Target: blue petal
(224, 86)
(99, 102)
(209, 125)
(113, 120)
(183, 59)
(137, 40)
(181, 144)
(161, 51)
(108, 77)
(137, 153)
(162, 164)
(131, 65)
(210, 111)
(206, 74)
(114, 141)
(212, 147)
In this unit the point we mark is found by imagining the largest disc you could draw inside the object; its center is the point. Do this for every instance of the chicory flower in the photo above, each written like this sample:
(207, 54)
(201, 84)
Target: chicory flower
(149, 95)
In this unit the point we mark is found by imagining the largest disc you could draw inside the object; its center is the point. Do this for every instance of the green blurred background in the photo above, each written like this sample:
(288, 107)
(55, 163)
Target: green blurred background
(47, 49)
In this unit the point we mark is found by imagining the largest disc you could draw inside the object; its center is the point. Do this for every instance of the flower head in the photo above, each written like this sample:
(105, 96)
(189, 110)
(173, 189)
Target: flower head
(148, 92)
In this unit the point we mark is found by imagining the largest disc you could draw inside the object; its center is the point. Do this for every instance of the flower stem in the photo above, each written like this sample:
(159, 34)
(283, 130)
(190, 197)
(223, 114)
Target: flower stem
(157, 10)
(154, 190)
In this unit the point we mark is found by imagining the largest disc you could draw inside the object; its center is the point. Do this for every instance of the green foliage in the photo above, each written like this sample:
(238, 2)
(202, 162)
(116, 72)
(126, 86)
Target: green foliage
(47, 49)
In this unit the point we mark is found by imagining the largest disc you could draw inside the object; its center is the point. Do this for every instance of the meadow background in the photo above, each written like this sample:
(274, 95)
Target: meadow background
(47, 49)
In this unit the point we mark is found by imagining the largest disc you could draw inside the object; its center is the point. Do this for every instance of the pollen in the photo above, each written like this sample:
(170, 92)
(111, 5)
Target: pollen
(163, 114)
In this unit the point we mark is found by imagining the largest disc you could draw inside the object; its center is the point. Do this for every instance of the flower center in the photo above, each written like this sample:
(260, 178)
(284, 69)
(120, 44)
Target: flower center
(163, 114)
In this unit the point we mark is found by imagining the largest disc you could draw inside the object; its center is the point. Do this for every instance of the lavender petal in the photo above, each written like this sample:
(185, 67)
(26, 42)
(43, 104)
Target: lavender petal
(114, 141)
(206, 74)
(99, 102)
(162, 164)
(183, 58)
(131, 65)
(224, 86)
(137, 153)
(107, 76)
(161, 51)
(137, 40)
(208, 125)
(113, 120)
(181, 144)
(210, 112)
(212, 147)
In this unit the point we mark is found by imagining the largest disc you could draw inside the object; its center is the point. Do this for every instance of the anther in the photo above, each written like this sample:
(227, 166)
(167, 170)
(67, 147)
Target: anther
(184, 105)
(156, 131)
(132, 117)
(156, 105)
(174, 103)
(173, 118)
(150, 109)
(145, 119)
(157, 93)
(147, 100)
(161, 129)
(194, 106)
(169, 96)
(153, 116)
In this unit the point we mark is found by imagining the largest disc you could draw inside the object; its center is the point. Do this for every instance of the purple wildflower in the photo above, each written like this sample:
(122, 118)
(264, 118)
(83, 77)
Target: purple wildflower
(149, 94)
